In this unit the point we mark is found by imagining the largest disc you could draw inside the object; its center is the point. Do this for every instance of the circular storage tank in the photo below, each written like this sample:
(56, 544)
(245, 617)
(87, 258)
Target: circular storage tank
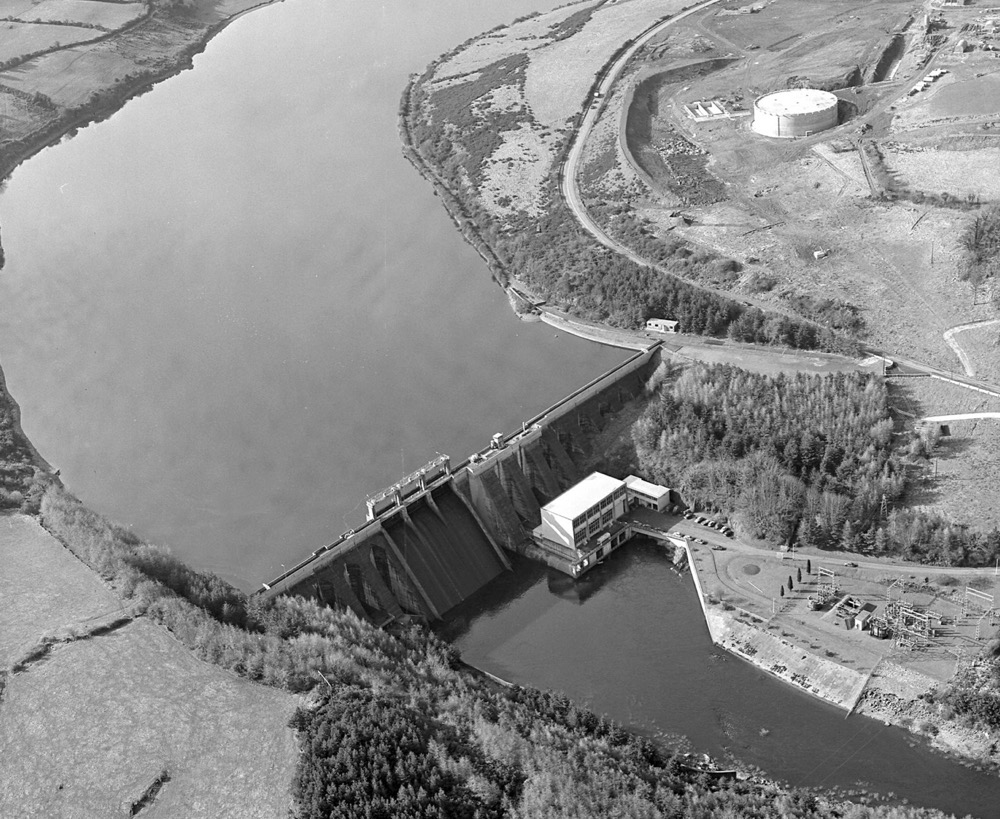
(797, 112)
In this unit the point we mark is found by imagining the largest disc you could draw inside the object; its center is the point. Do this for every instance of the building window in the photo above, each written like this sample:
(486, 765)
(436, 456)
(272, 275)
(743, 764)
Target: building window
(606, 517)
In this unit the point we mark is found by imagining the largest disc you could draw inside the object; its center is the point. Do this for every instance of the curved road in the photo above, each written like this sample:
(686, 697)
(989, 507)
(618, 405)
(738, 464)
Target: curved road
(571, 194)
(949, 337)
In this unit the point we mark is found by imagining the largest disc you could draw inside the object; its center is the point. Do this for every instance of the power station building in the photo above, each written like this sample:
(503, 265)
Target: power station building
(584, 524)
(797, 112)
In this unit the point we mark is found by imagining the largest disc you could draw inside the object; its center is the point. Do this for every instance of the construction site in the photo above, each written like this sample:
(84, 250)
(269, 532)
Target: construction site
(834, 153)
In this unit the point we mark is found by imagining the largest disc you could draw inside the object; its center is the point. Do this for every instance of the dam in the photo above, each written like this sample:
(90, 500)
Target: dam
(441, 533)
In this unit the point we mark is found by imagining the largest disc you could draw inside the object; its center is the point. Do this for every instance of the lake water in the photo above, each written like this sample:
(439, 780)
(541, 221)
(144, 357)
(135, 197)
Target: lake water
(233, 310)
(629, 640)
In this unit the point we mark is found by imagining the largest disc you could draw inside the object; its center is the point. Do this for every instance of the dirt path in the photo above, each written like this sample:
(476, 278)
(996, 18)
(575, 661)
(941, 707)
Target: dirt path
(949, 337)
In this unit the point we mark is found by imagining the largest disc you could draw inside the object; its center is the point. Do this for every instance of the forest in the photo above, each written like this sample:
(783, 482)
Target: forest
(980, 242)
(396, 725)
(802, 459)
(22, 480)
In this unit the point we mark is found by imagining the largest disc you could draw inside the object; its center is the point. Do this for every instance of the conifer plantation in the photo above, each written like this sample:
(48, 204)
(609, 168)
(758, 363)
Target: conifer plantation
(797, 458)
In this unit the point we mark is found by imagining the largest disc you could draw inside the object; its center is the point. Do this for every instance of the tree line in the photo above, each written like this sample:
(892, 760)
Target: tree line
(398, 727)
(796, 458)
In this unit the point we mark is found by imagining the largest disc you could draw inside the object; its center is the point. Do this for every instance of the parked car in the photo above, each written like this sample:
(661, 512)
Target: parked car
(851, 564)
(702, 542)
(688, 515)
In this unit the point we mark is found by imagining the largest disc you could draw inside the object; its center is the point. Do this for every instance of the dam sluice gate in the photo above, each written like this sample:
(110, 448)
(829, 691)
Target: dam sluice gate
(441, 533)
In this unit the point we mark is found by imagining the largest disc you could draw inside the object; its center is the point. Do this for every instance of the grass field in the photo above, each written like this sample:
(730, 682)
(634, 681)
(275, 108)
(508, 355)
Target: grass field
(109, 15)
(957, 172)
(514, 175)
(967, 462)
(967, 468)
(88, 730)
(559, 76)
(983, 347)
(68, 77)
(44, 590)
(20, 39)
(514, 39)
(931, 396)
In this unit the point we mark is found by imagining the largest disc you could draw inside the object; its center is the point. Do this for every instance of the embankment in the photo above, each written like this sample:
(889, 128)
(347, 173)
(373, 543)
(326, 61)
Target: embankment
(890, 693)
(792, 664)
(895, 694)
(820, 677)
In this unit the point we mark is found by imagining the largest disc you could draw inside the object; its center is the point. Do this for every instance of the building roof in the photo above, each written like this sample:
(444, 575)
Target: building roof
(796, 101)
(653, 490)
(579, 498)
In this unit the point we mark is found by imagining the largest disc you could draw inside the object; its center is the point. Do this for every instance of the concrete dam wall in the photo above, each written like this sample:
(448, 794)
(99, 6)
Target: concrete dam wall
(438, 535)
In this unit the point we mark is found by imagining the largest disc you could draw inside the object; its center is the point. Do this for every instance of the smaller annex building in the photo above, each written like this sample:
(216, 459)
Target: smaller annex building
(583, 524)
(660, 325)
(643, 493)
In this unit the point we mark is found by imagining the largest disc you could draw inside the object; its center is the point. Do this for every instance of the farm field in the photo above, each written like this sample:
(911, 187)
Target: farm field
(107, 15)
(959, 172)
(90, 728)
(21, 39)
(44, 589)
(93, 66)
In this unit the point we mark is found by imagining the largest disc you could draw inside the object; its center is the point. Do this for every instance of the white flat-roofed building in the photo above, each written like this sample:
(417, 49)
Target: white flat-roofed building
(582, 512)
(659, 325)
(643, 493)
(584, 524)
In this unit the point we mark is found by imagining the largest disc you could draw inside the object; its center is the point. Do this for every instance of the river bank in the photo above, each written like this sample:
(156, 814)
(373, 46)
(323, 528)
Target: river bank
(45, 102)
(882, 687)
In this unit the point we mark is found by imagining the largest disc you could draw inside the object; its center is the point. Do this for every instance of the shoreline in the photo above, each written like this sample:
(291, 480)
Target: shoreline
(121, 93)
(889, 693)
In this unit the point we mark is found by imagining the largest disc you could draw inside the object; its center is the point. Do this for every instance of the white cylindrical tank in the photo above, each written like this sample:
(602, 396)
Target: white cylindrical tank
(796, 112)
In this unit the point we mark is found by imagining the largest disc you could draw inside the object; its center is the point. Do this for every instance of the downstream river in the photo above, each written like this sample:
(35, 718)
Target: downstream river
(233, 310)
(629, 640)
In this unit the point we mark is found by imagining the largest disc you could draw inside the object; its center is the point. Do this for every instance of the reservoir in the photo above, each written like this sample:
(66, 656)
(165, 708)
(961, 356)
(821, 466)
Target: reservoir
(629, 640)
(233, 310)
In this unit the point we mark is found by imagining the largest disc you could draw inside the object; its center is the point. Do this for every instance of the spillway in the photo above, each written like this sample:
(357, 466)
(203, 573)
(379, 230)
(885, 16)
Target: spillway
(446, 549)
